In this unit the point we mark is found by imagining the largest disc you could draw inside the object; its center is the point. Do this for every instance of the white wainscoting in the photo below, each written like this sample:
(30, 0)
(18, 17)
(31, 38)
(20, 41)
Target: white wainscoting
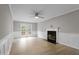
(69, 39)
(43, 34)
(18, 34)
(5, 44)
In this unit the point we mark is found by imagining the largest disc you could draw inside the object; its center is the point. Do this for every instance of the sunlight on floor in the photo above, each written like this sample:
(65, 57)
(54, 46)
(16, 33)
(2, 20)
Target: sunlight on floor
(23, 41)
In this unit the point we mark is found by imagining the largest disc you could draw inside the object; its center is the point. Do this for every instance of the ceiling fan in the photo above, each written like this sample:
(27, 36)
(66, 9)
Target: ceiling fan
(37, 14)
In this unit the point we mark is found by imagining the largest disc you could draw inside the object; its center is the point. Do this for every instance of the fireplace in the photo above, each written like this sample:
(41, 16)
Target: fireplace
(51, 36)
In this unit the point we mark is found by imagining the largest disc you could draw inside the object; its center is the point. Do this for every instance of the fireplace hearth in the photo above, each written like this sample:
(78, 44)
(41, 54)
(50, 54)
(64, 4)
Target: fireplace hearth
(51, 36)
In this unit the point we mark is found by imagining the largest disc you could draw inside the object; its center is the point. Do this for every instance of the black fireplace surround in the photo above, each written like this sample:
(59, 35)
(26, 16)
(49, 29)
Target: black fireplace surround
(51, 36)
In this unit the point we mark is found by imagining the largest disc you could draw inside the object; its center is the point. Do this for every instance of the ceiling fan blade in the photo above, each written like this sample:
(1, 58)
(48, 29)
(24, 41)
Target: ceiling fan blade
(41, 12)
(40, 17)
(33, 11)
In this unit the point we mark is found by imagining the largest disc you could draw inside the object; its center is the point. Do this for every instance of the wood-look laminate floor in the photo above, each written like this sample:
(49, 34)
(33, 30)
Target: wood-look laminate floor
(36, 46)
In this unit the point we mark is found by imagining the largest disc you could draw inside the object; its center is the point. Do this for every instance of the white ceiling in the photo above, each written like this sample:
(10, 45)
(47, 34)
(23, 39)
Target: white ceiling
(22, 12)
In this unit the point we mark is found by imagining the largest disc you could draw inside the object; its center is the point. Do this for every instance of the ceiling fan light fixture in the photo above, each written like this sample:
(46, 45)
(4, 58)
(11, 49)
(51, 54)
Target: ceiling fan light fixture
(36, 17)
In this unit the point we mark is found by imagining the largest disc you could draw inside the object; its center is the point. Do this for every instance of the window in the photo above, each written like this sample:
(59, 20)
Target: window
(25, 29)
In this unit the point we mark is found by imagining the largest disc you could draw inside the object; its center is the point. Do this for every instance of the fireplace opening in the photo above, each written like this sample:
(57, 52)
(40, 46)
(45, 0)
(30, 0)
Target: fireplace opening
(51, 36)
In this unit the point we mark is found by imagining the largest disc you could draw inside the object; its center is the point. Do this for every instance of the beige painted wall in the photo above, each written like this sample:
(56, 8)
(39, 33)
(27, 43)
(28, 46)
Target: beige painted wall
(69, 28)
(5, 20)
(69, 23)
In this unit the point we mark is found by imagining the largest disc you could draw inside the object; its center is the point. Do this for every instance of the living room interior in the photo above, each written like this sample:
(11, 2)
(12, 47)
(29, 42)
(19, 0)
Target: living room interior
(39, 29)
